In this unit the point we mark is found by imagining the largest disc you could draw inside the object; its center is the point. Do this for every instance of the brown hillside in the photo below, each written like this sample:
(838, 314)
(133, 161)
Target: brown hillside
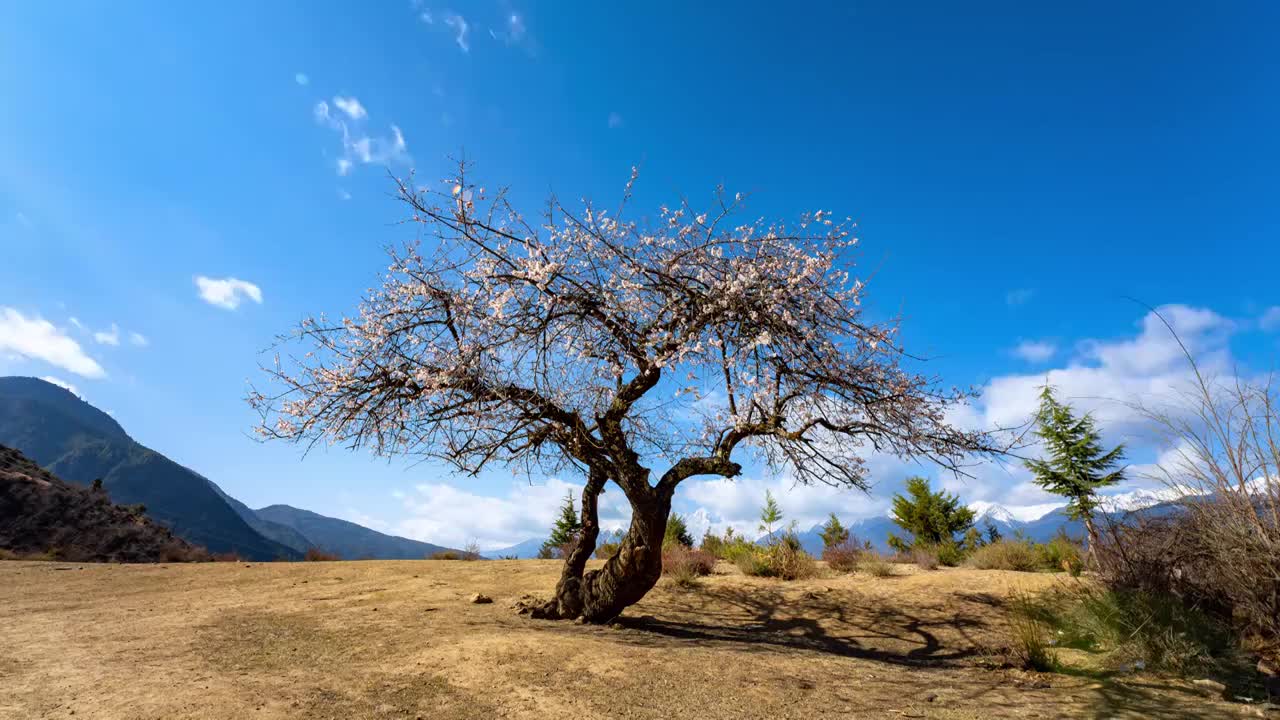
(43, 515)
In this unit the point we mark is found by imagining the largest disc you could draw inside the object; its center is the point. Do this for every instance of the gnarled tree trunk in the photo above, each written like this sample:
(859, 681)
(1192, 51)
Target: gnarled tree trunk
(600, 595)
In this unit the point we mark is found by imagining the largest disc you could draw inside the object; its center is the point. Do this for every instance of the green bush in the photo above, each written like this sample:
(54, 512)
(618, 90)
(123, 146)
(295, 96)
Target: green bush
(949, 554)
(1060, 554)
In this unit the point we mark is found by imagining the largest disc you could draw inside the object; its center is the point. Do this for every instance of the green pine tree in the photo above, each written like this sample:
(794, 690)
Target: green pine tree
(833, 533)
(565, 530)
(770, 514)
(1076, 466)
(932, 518)
(993, 533)
(677, 532)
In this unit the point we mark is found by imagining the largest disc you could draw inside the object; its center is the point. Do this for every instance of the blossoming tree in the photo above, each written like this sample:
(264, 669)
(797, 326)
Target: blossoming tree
(593, 343)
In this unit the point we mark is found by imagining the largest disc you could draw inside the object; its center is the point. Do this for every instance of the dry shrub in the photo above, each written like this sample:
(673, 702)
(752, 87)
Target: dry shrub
(471, 551)
(843, 557)
(1221, 551)
(1006, 555)
(227, 557)
(8, 554)
(875, 564)
(790, 561)
(445, 555)
(685, 565)
(318, 555)
(177, 551)
(925, 558)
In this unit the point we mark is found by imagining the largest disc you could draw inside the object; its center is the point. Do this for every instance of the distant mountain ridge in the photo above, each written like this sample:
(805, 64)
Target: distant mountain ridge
(343, 538)
(79, 443)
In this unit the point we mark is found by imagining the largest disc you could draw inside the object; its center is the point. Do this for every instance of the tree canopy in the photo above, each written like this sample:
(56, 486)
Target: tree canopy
(1077, 465)
(932, 518)
(498, 339)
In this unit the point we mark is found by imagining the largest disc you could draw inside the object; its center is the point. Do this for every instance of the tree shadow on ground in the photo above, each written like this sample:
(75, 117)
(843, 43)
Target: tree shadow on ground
(834, 622)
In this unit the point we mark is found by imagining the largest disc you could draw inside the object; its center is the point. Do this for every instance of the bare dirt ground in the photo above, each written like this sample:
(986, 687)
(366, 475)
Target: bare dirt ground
(400, 639)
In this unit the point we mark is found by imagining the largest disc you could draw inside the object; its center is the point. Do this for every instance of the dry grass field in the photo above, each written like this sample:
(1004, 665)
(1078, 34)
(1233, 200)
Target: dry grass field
(352, 640)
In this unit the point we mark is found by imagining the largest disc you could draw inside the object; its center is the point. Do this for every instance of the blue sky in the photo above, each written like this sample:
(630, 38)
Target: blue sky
(1017, 173)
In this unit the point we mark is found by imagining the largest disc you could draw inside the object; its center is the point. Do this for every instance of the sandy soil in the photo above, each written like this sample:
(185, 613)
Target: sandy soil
(400, 639)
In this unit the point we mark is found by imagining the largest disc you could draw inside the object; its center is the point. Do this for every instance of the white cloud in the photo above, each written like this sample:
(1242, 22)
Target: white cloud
(37, 339)
(1035, 351)
(1109, 376)
(615, 120)
(76, 322)
(427, 17)
(445, 514)
(227, 293)
(137, 339)
(1270, 320)
(460, 29)
(357, 145)
(108, 337)
(351, 106)
(302, 79)
(61, 383)
(1019, 296)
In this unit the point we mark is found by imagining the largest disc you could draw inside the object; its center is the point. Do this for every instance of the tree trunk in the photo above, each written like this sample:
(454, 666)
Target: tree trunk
(600, 595)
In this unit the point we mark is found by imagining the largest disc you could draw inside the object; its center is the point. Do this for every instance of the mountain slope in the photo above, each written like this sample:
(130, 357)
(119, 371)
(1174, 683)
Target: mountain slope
(79, 443)
(43, 514)
(282, 534)
(346, 539)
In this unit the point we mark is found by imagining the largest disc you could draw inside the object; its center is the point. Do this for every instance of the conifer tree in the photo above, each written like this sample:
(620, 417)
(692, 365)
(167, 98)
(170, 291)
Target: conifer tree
(770, 514)
(1077, 465)
(677, 532)
(932, 518)
(833, 533)
(565, 530)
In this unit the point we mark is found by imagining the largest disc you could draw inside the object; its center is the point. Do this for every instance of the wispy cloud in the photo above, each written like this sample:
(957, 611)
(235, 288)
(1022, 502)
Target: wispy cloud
(357, 145)
(615, 120)
(343, 194)
(1035, 351)
(351, 106)
(23, 220)
(228, 292)
(302, 79)
(38, 339)
(137, 339)
(108, 337)
(460, 30)
(1019, 297)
